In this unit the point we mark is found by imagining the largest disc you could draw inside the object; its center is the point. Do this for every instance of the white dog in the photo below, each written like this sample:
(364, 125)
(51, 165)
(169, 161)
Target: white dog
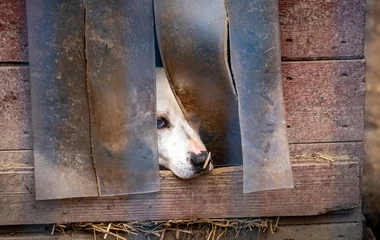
(180, 148)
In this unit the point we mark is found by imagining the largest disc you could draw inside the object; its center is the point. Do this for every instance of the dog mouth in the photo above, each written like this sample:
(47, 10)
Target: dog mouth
(205, 169)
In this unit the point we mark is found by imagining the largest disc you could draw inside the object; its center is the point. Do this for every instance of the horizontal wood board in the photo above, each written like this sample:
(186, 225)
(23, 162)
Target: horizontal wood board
(342, 216)
(348, 231)
(324, 102)
(319, 187)
(310, 29)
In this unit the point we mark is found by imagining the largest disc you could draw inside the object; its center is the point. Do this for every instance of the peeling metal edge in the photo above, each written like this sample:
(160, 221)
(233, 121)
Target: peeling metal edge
(88, 91)
(227, 55)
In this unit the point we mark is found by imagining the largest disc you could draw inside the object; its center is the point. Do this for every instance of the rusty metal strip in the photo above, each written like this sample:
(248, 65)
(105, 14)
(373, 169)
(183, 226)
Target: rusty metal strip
(60, 114)
(256, 66)
(192, 37)
(121, 84)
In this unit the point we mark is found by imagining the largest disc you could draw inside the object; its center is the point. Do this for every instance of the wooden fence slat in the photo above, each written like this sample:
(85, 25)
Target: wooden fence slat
(324, 102)
(309, 29)
(320, 187)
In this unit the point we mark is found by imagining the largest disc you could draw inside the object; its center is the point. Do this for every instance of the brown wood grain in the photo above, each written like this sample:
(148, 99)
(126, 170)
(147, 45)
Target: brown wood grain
(318, 29)
(15, 108)
(324, 102)
(310, 29)
(348, 231)
(320, 187)
(13, 31)
(18, 160)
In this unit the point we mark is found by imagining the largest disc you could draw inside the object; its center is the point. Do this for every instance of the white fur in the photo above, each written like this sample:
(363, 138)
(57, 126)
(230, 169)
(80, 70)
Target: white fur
(176, 142)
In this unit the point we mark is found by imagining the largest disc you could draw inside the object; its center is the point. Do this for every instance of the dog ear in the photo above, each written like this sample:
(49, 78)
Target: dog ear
(193, 121)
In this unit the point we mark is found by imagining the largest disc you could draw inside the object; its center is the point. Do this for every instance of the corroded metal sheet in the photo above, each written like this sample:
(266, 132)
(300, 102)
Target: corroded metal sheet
(121, 84)
(192, 37)
(256, 66)
(60, 114)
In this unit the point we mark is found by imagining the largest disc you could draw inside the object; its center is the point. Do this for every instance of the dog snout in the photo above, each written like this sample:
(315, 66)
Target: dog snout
(196, 147)
(198, 160)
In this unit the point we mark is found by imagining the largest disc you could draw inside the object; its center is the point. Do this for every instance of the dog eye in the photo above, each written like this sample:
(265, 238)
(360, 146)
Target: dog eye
(162, 123)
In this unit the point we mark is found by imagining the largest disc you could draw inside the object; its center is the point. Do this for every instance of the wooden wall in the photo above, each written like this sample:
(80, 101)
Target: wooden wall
(324, 84)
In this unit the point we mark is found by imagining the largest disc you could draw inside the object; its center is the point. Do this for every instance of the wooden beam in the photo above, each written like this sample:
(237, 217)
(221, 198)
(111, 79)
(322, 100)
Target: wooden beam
(324, 102)
(349, 231)
(320, 187)
(310, 29)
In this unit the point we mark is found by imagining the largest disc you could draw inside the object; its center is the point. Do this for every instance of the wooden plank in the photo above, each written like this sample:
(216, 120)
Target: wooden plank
(320, 187)
(348, 231)
(352, 149)
(317, 29)
(14, 36)
(17, 182)
(19, 160)
(15, 110)
(322, 103)
(12, 229)
(309, 29)
(341, 216)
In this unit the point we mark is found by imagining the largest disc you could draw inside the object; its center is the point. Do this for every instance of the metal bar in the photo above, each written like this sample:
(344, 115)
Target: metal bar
(60, 114)
(121, 84)
(192, 37)
(256, 66)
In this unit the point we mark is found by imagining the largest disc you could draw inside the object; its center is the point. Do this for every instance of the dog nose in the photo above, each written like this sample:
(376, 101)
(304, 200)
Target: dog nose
(198, 160)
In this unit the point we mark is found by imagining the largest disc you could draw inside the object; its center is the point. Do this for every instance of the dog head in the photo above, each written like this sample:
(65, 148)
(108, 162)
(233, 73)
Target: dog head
(179, 146)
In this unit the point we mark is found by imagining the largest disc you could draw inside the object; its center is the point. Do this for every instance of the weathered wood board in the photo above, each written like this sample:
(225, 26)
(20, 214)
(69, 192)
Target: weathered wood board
(310, 29)
(348, 231)
(318, 29)
(319, 187)
(15, 108)
(13, 31)
(324, 102)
